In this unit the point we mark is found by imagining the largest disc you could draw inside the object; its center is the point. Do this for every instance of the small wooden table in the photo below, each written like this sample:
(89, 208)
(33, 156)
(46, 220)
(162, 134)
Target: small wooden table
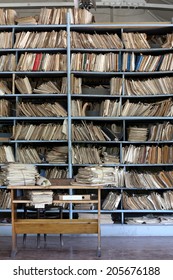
(54, 226)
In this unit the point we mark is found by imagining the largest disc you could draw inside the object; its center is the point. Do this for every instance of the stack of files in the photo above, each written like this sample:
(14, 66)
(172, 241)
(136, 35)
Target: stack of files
(7, 16)
(147, 63)
(30, 109)
(166, 220)
(147, 154)
(50, 131)
(5, 87)
(33, 40)
(159, 108)
(104, 218)
(152, 201)
(5, 199)
(57, 155)
(52, 87)
(8, 62)
(26, 20)
(111, 155)
(40, 62)
(100, 175)
(40, 198)
(23, 85)
(4, 108)
(47, 86)
(138, 134)
(169, 41)
(106, 108)
(17, 174)
(90, 132)
(95, 41)
(28, 155)
(85, 206)
(149, 180)
(111, 201)
(136, 40)
(116, 85)
(161, 132)
(5, 40)
(56, 173)
(157, 40)
(6, 154)
(148, 219)
(150, 86)
(109, 62)
(76, 85)
(86, 155)
(59, 16)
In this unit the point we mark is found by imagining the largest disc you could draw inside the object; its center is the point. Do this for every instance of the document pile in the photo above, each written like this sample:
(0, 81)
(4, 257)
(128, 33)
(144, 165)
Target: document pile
(41, 197)
(100, 175)
(16, 174)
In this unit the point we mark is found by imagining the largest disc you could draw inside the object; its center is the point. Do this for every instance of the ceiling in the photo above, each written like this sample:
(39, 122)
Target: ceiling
(117, 14)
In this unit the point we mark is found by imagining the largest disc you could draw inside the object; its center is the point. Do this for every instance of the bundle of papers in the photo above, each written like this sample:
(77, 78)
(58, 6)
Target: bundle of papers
(16, 174)
(41, 197)
(100, 175)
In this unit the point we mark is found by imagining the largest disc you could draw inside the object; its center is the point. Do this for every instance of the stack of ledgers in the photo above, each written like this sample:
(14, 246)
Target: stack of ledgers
(39, 198)
(138, 134)
(100, 175)
(148, 180)
(104, 218)
(152, 201)
(16, 174)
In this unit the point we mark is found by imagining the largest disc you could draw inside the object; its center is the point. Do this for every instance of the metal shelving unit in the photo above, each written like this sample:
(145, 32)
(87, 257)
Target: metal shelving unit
(151, 28)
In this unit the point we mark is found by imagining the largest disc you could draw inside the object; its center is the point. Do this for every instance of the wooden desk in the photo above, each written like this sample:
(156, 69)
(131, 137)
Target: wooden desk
(54, 226)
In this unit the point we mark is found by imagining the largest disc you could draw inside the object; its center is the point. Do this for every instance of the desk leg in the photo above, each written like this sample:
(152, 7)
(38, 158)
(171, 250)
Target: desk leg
(13, 218)
(99, 230)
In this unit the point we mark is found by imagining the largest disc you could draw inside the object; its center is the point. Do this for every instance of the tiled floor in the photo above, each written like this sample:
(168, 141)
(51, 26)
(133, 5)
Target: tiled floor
(85, 248)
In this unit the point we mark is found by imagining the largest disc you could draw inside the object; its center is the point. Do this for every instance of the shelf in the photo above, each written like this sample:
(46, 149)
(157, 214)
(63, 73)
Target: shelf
(66, 101)
(48, 226)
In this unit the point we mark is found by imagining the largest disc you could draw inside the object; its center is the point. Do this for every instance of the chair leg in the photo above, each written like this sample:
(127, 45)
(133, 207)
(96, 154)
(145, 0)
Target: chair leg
(61, 236)
(38, 240)
(24, 239)
(45, 240)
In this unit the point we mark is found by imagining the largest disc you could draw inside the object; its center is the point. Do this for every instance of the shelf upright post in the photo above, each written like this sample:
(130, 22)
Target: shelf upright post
(69, 108)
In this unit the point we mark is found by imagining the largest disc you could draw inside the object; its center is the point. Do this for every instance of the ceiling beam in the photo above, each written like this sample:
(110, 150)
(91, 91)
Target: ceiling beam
(104, 4)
